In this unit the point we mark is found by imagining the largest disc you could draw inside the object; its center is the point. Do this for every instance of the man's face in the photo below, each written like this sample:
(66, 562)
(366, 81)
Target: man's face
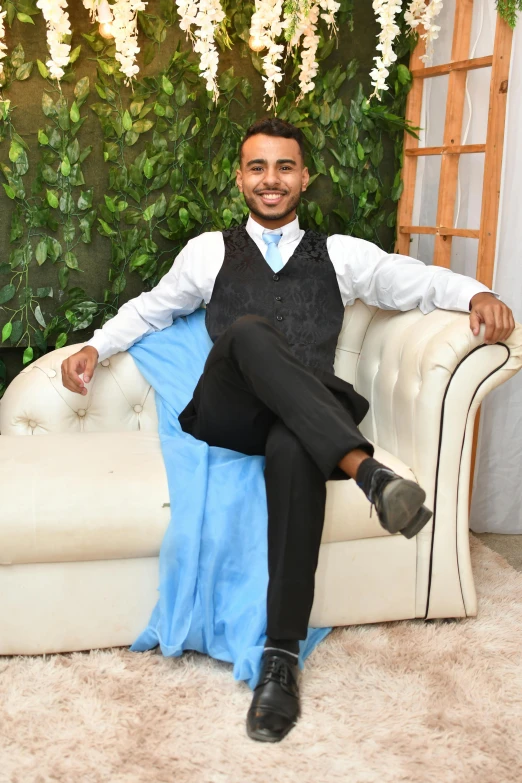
(272, 177)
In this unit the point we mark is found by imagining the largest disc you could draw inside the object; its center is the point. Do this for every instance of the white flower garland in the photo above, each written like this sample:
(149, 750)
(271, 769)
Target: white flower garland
(386, 12)
(91, 5)
(265, 28)
(3, 45)
(421, 13)
(301, 18)
(309, 64)
(205, 15)
(299, 21)
(121, 18)
(58, 26)
(414, 12)
(418, 13)
(125, 30)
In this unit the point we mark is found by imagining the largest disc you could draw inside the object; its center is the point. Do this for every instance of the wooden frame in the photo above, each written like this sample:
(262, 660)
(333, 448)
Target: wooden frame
(452, 149)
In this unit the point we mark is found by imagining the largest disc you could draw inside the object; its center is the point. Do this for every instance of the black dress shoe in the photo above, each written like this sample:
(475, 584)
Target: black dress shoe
(275, 707)
(398, 502)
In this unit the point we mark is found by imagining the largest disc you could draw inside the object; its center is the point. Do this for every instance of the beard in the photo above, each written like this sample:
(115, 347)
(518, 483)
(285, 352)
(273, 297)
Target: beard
(292, 205)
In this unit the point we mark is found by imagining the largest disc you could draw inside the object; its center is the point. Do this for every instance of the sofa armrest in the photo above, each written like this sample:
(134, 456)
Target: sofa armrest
(118, 398)
(425, 376)
(407, 364)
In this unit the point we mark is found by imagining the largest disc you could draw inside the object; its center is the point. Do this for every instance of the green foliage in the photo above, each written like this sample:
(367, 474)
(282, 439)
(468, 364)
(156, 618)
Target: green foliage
(48, 220)
(508, 10)
(171, 155)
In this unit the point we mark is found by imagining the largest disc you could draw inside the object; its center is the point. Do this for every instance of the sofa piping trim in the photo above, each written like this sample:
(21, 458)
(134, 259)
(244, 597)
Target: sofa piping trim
(479, 347)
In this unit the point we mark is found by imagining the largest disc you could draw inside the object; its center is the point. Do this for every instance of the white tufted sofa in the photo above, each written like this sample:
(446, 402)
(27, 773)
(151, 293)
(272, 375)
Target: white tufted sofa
(84, 508)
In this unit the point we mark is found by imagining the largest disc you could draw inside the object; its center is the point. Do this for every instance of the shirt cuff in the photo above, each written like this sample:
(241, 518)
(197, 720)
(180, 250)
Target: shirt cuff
(102, 345)
(468, 292)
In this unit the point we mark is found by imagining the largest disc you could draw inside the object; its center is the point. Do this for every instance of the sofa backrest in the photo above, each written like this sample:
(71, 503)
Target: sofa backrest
(119, 398)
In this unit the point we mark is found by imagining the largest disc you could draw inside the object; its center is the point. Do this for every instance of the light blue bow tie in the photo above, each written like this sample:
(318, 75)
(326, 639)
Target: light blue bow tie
(273, 254)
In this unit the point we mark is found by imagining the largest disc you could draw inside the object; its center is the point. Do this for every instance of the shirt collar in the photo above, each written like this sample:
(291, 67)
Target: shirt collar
(289, 232)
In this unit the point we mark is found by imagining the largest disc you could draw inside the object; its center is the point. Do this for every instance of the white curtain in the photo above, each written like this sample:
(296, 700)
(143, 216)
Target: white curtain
(497, 492)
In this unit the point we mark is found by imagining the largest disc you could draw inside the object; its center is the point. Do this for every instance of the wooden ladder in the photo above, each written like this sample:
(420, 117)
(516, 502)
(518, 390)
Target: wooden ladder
(452, 149)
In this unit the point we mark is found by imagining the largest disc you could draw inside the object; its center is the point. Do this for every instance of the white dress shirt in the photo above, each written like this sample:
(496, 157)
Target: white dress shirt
(364, 271)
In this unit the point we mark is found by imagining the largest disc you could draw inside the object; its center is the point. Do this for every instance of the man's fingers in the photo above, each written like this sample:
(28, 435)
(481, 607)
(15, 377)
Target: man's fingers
(71, 369)
(474, 322)
(509, 323)
(489, 319)
(497, 318)
(499, 324)
(89, 369)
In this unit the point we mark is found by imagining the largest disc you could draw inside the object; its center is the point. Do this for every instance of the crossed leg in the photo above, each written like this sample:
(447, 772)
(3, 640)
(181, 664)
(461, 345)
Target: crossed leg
(255, 397)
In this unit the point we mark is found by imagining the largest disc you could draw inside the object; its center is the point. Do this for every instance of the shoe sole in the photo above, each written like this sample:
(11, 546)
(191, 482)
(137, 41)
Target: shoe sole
(402, 504)
(421, 518)
(262, 737)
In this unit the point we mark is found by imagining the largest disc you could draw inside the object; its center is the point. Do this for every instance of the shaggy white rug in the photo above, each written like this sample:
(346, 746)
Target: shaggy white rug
(409, 701)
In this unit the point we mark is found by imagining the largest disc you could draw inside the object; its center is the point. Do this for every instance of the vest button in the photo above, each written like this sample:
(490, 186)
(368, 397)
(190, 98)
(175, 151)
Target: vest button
(279, 317)
(275, 277)
(278, 298)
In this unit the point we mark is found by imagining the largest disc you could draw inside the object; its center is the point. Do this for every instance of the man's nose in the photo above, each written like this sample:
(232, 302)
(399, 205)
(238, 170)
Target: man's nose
(271, 178)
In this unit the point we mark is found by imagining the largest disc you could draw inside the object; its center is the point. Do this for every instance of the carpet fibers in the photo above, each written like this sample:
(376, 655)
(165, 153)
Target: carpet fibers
(436, 702)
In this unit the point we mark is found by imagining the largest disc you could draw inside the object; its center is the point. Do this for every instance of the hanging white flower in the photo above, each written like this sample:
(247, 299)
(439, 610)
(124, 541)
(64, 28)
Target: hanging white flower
(301, 19)
(386, 12)
(266, 27)
(414, 12)
(121, 22)
(329, 9)
(431, 11)
(420, 13)
(3, 45)
(309, 64)
(58, 27)
(205, 16)
(91, 6)
(125, 31)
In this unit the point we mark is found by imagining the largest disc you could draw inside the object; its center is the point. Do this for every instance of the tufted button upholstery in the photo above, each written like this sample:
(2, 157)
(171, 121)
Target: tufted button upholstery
(37, 395)
(105, 363)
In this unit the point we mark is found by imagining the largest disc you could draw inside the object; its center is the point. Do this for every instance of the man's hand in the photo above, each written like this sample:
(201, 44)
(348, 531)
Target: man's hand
(486, 309)
(83, 361)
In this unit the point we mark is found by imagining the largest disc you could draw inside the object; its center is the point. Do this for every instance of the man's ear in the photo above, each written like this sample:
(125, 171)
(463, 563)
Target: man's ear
(239, 180)
(305, 178)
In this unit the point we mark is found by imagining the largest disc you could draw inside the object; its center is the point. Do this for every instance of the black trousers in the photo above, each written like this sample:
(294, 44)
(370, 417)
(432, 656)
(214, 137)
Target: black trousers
(256, 397)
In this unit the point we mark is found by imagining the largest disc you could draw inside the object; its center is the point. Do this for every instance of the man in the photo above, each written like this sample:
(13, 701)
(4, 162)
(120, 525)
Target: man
(275, 299)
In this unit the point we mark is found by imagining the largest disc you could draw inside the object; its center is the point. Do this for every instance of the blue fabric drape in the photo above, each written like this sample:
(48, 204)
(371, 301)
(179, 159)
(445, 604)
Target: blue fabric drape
(213, 571)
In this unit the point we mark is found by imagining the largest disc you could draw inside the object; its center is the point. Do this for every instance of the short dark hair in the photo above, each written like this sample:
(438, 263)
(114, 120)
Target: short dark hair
(273, 126)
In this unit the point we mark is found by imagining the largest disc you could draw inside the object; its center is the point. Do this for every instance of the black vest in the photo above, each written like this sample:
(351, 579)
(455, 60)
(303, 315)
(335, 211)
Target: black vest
(303, 300)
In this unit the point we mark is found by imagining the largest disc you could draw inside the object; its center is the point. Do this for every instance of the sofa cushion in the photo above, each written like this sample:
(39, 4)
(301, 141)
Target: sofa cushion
(99, 496)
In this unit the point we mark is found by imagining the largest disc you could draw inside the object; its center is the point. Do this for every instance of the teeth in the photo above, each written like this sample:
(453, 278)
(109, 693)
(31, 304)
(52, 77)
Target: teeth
(272, 196)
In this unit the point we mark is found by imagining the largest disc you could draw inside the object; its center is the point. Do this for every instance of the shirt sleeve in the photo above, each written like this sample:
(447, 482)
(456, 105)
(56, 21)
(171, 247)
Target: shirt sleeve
(396, 282)
(180, 291)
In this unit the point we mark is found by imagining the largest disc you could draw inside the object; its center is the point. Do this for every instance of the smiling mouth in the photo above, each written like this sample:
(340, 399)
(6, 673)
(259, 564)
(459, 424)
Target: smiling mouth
(271, 197)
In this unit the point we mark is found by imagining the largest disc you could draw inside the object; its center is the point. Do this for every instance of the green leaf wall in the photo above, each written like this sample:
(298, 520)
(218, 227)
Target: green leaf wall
(104, 184)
